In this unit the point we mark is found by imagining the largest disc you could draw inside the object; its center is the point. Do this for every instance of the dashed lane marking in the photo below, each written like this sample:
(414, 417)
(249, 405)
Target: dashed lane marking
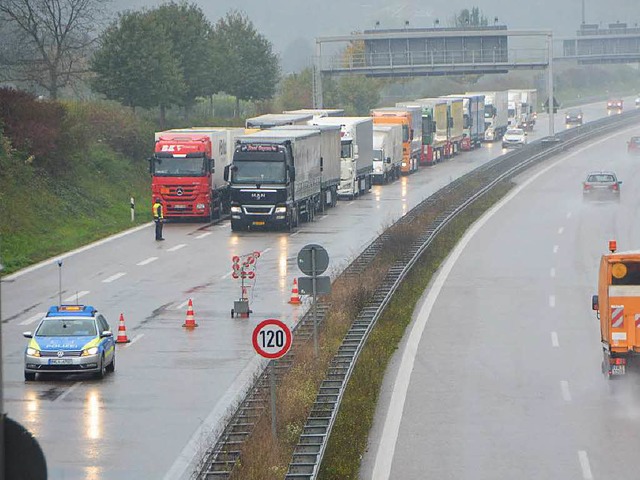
(553, 272)
(554, 339)
(68, 391)
(33, 318)
(147, 261)
(77, 296)
(114, 277)
(560, 230)
(552, 301)
(556, 248)
(182, 305)
(202, 235)
(566, 394)
(134, 340)
(177, 247)
(584, 464)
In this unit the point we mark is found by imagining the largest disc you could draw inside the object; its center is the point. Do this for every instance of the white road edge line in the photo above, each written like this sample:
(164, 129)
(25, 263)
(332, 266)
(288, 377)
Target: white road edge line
(554, 339)
(584, 464)
(297, 233)
(181, 306)
(134, 340)
(556, 248)
(33, 318)
(225, 276)
(553, 272)
(177, 247)
(265, 250)
(68, 391)
(566, 393)
(147, 261)
(77, 296)
(206, 234)
(114, 277)
(391, 428)
(552, 301)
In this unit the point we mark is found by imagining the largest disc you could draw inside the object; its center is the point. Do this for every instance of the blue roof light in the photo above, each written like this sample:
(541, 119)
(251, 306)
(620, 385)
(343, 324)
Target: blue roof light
(71, 311)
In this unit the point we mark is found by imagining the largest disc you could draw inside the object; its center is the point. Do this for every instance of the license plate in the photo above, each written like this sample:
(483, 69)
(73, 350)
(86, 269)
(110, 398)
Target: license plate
(180, 207)
(258, 223)
(60, 361)
(617, 369)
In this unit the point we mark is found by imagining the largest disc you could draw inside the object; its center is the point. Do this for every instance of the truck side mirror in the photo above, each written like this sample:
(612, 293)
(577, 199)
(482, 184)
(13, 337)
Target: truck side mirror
(150, 160)
(227, 168)
(388, 159)
(292, 173)
(212, 165)
(594, 303)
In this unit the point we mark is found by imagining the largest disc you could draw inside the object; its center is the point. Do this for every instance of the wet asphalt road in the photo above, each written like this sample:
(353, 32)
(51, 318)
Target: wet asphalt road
(172, 387)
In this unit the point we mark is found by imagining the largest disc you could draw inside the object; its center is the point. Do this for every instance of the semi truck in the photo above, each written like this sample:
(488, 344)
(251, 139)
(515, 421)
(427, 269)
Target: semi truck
(456, 128)
(330, 147)
(522, 108)
(271, 120)
(436, 143)
(415, 111)
(402, 117)
(187, 171)
(617, 305)
(275, 179)
(318, 112)
(496, 114)
(387, 153)
(356, 153)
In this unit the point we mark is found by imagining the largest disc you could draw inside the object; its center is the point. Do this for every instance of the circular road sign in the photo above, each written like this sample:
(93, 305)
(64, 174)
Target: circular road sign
(305, 259)
(271, 338)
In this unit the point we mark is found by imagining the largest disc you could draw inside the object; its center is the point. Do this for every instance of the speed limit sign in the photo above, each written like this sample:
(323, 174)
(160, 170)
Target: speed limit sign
(271, 338)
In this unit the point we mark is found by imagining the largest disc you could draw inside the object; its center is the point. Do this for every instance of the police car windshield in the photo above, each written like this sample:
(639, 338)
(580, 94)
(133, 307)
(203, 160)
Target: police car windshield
(180, 167)
(67, 327)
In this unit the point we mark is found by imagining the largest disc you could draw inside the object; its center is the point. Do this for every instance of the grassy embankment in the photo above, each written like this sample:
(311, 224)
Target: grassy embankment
(266, 458)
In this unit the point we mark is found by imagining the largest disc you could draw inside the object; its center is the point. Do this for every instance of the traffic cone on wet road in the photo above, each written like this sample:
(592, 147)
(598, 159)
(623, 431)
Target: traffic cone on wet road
(295, 297)
(122, 332)
(190, 322)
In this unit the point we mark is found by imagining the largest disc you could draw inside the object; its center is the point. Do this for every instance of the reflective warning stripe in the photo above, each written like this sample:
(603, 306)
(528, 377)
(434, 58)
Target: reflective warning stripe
(617, 317)
(637, 320)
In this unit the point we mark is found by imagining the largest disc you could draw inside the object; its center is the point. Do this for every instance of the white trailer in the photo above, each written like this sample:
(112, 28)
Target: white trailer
(496, 115)
(318, 112)
(271, 120)
(529, 100)
(387, 153)
(356, 153)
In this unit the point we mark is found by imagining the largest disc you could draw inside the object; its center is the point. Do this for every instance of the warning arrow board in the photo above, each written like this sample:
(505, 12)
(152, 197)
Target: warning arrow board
(271, 338)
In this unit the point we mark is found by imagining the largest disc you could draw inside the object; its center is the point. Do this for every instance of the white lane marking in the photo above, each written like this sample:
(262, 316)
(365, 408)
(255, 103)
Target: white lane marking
(77, 296)
(297, 233)
(322, 217)
(177, 247)
(265, 250)
(223, 226)
(225, 276)
(554, 339)
(351, 202)
(552, 301)
(114, 277)
(206, 234)
(68, 391)
(584, 464)
(182, 305)
(566, 394)
(560, 230)
(556, 248)
(568, 214)
(134, 340)
(553, 272)
(389, 436)
(147, 261)
(33, 318)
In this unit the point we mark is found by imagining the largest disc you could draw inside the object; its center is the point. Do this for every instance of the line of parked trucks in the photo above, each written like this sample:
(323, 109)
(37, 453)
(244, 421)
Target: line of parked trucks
(282, 169)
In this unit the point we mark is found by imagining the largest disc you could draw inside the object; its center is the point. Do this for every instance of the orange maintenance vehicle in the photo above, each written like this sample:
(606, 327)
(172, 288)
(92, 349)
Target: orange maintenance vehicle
(618, 308)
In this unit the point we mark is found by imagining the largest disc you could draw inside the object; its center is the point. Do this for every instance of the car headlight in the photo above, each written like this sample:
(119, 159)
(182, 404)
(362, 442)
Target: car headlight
(33, 352)
(200, 206)
(236, 210)
(281, 209)
(90, 351)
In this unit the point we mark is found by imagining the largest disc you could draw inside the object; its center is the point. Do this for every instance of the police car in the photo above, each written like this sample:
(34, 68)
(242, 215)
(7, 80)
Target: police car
(70, 339)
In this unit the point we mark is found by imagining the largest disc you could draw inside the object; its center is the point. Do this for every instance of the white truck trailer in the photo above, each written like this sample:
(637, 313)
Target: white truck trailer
(271, 120)
(496, 114)
(387, 153)
(356, 153)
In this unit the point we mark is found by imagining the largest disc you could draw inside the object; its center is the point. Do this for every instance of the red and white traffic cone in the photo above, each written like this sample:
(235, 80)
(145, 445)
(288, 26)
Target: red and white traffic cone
(295, 297)
(190, 322)
(122, 332)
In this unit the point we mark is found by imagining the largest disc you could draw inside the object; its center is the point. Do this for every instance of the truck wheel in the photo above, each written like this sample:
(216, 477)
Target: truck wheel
(237, 226)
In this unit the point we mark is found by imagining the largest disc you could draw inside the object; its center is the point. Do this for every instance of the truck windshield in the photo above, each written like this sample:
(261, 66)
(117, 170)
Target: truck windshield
(405, 133)
(180, 167)
(258, 171)
(345, 150)
(377, 155)
(625, 273)
(489, 111)
(427, 126)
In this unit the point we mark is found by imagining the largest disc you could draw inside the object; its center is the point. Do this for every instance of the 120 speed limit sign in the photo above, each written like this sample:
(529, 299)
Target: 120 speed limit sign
(272, 338)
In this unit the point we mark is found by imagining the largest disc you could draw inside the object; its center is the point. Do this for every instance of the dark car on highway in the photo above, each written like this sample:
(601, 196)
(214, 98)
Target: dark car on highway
(633, 145)
(601, 185)
(573, 116)
(615, 104)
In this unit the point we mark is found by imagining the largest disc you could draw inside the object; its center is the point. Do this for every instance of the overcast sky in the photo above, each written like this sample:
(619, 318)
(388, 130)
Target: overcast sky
(293, 25)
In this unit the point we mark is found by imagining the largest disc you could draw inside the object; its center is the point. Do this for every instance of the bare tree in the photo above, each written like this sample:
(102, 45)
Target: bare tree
(52, 40)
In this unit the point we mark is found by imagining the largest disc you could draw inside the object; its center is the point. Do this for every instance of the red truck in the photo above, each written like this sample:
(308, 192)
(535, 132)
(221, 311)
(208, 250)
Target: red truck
(187, 171)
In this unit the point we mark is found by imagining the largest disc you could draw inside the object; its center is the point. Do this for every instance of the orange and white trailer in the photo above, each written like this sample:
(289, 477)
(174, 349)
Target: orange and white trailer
(618, 307)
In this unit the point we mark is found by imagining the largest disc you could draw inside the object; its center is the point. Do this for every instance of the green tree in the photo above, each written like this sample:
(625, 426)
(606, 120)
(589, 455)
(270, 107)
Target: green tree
(296, 90)
(243, 59)
(190, 33)
(470, 18)
(356, 94)
(135, 64)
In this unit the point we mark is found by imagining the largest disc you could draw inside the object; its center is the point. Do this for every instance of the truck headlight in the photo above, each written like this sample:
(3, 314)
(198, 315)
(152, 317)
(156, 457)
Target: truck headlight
(90, 351)
(200, 206)
(281, 209)
(32, 352)
(236, 210)
(404, 164)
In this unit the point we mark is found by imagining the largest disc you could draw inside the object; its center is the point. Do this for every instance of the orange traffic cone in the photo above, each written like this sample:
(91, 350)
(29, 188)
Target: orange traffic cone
(122, 332)
(190, 322)
(295, 298)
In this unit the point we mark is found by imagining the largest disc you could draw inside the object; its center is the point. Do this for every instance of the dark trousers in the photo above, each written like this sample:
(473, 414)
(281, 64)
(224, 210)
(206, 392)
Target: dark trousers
(158, 229)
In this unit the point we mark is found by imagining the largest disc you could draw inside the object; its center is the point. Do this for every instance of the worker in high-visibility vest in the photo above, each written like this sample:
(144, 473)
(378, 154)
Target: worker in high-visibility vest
(158, 217)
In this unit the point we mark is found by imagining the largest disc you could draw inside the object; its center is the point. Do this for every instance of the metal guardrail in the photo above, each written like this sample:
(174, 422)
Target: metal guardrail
(309, 452)
(220, 460)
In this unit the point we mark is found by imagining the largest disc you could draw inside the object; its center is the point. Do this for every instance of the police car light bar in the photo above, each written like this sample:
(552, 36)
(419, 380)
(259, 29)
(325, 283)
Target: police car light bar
(71, 310)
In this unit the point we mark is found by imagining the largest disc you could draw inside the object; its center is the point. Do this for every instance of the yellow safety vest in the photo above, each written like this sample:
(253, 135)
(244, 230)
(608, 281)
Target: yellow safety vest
(157, 210)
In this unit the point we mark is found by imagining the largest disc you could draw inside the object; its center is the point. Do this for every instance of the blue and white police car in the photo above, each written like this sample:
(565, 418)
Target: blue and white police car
(70, 339)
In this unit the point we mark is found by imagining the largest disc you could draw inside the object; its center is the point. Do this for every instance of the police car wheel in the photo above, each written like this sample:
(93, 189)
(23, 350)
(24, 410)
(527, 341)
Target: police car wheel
(112, 366)
(29, 376)
(103, 370)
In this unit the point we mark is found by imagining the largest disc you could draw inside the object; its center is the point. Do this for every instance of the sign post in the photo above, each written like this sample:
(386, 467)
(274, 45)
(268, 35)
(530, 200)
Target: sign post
(272, 339)
(313, 261)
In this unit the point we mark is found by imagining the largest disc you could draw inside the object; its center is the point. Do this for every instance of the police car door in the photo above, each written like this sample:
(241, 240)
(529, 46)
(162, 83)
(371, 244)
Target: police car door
(109, 342)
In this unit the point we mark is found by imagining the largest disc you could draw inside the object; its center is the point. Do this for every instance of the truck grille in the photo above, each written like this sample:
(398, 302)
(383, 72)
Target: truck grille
(256, 210)
(179, 193)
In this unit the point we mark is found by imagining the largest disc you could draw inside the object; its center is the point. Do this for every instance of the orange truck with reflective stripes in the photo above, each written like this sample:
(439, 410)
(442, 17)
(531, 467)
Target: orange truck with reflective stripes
(618, 307)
